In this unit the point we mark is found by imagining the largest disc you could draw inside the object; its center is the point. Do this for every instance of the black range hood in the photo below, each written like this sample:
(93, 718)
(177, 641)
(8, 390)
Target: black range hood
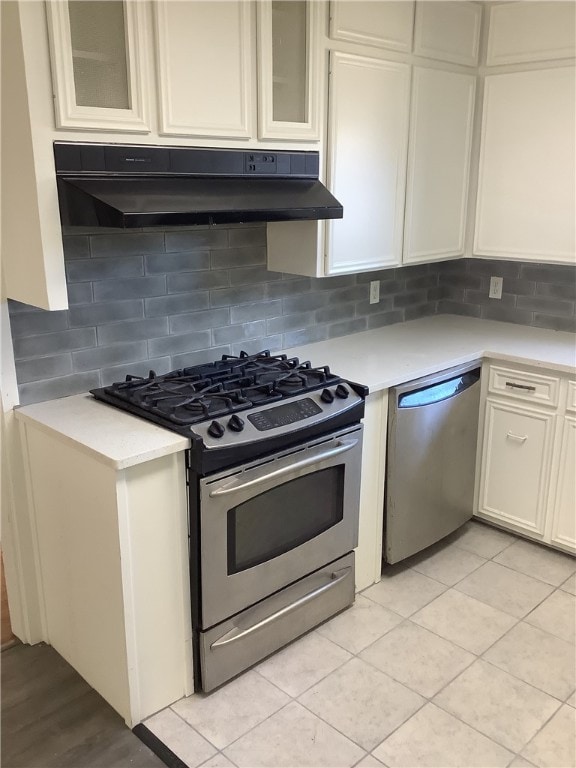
(128, 186)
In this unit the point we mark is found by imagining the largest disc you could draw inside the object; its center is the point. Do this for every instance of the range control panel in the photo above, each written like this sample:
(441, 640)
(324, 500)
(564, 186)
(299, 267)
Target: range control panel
(276, 419)
(282, 415)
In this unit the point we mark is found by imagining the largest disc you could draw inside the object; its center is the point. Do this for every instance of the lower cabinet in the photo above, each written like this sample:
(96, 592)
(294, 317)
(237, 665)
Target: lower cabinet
(526, 479)
(111, 547)
(516, 464)
(564, 512)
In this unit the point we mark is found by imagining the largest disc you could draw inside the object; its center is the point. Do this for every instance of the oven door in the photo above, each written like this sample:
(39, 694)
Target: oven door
(272, 522)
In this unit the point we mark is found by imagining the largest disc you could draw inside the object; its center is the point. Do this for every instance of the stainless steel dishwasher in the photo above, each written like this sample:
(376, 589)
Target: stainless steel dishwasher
(432, 434)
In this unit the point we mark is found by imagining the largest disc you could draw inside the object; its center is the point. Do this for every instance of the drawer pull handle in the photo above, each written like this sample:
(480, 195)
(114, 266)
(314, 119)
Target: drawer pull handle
(525, 387)
(518, 438)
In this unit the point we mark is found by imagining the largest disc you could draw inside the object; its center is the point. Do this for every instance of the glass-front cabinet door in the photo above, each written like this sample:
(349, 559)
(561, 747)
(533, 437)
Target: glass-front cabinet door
(288, 69)
(98, 64)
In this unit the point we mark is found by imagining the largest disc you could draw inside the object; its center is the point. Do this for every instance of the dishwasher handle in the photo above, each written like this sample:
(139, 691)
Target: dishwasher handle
(439, 390)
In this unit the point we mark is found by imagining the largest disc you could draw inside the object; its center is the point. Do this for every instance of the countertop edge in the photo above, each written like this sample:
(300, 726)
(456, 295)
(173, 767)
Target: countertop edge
(410, 351)
(175, 443)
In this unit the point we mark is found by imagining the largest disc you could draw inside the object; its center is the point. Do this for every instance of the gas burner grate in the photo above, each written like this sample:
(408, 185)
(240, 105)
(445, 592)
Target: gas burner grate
(236, 382)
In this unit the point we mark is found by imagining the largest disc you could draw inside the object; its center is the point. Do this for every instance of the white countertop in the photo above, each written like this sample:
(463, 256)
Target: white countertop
(379, 359)
(397, 353)
(113, 436)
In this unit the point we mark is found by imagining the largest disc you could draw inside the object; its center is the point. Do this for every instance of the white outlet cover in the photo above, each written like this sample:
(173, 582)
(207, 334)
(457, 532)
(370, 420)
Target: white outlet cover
(495, 288)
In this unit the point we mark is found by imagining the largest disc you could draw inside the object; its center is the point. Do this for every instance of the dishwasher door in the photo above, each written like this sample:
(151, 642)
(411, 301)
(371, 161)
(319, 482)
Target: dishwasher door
(432, 435)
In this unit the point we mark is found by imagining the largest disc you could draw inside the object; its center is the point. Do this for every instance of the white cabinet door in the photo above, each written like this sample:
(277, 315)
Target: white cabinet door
(516, 463)
(564, 515)
(449, 31)
(368, 134)
(205, 67)
(99, 62)
(438, 164)
(288, 50)
(385, 24)
(526, 202)
(531, 31)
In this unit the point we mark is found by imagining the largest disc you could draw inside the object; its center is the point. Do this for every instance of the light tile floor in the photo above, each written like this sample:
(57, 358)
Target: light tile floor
(462, 656)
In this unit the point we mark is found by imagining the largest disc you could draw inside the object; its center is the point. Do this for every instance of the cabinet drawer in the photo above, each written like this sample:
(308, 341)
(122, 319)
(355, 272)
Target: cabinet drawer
(571, 398)
(522, 385)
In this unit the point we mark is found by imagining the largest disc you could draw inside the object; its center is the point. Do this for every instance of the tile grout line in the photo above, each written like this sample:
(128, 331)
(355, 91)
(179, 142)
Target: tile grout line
(403, 620)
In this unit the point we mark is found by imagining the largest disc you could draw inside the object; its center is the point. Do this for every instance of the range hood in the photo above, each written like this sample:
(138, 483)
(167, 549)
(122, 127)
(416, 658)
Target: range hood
(114, 185)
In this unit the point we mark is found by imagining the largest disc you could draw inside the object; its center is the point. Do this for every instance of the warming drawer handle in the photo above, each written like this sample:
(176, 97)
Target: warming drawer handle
(524, 387)
(518, 438)
(239, 634)
(238, 485)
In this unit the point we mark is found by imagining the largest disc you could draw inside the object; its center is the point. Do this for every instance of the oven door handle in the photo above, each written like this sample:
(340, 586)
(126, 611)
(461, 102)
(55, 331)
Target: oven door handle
(239, 633)
(238, 485)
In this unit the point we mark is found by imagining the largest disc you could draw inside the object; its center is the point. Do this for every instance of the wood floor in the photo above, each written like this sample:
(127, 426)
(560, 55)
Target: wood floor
(6, 636)
(51, 718)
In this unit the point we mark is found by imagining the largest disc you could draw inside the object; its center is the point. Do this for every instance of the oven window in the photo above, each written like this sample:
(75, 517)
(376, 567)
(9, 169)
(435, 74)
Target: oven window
(284, 517)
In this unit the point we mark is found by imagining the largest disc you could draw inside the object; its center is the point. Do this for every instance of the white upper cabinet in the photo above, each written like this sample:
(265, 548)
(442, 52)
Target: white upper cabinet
(384, 24)
(288, 69)
(368, 132)
(448, 31)
(531, 31)
(205, 68)
(526, 202)
(438, 164)
(98, 64)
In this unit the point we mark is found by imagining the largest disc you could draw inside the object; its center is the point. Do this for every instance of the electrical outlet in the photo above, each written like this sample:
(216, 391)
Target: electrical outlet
(374, 291)
(495, 288)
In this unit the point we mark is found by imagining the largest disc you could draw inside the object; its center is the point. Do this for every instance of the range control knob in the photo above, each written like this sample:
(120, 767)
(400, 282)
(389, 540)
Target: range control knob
(342, 392)
(235, 423)
(215, 429)
(327, 396)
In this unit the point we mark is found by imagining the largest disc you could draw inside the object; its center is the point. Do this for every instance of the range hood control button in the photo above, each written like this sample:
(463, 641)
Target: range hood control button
(342, 392)
(327, 396)
(235, 423)
(215, 429)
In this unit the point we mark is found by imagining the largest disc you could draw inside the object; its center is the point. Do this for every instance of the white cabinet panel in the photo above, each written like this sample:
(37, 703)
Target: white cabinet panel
(531, 31)
(98, 56)
(516, 463)
(526, 201)
(205, 67)
(367, 161)
(385, 24)
(449, 31)
(438, 164)
(288, 97)
(564, 519)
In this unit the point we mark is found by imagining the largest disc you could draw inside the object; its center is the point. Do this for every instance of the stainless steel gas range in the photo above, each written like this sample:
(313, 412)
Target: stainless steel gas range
(273, 489)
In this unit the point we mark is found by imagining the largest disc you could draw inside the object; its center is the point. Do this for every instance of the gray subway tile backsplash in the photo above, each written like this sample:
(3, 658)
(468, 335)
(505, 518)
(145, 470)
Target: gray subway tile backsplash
(175, 304)
(179, 344)
(210, 318)
(238, 257)
(172, 298)
(126, 244)
(39, 368)
(132, 330)
(115, 354)
(101, 313)
(53, 343)
(188, 261)
(193, 239)
(84, 270)
(129, 288)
